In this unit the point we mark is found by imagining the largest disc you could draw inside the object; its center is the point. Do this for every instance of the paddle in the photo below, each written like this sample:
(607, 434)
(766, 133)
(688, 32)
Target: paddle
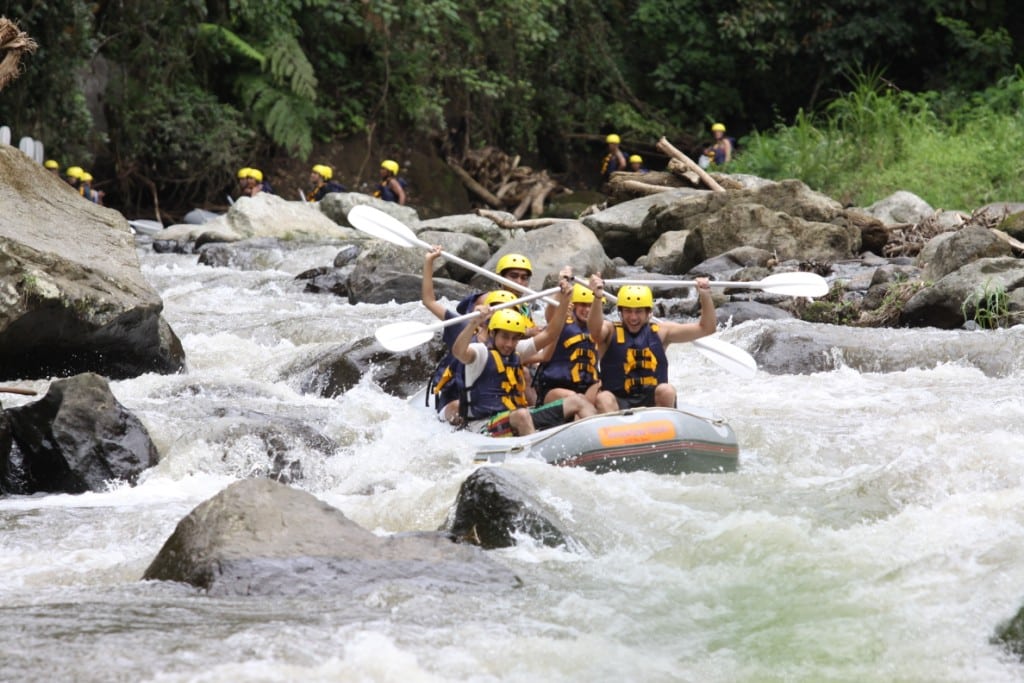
(732, 358)
(789, 284)
(376, 223)
(18, 390)
(383, 226)
(406, 335)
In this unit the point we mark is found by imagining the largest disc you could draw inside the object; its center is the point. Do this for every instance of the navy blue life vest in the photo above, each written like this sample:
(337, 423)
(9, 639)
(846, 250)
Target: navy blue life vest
(609, 165)
(324, 189)
(501, 386)
(448, 381)
(385, 192)
(633, 362)
(573, 365)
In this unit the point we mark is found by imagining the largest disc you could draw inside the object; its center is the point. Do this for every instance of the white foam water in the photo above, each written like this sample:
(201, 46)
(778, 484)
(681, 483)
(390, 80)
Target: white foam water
(874, 530)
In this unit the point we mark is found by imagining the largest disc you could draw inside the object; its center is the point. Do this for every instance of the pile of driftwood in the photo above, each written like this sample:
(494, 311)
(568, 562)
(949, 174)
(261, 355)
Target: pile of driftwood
(503, 184)
(14, 43)
(682, 171)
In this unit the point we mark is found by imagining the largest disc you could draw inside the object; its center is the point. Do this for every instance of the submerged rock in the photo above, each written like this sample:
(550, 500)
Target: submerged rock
(259, 537)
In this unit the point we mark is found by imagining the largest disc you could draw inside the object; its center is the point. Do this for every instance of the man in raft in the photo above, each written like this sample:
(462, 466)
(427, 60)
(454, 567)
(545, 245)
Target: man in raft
(634, 369)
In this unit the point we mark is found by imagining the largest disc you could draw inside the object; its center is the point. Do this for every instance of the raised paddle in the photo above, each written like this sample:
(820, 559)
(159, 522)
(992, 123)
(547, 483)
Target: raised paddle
(407, 335)
(383, 226)
(376, 223)
(790, 284)
(732, 358)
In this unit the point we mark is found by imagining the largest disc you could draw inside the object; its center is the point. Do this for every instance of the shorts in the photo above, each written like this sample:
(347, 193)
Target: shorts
(544, 417)
(639, 399)
(544, 387)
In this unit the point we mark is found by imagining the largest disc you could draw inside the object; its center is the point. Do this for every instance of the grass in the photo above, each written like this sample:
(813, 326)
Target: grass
(876, 140)
(988, 307)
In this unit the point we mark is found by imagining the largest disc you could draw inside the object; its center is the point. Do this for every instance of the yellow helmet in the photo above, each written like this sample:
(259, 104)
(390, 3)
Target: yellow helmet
(581, 294)
(256, 174)
(636, 158)
(243, 172)
(613, 139)
(509, 261)
(718, 127)
(86, 177)
(325, 171)
(508, 320)
(391, 166)
(499, 296)
(50, 163)
(635, 296)
(74, 172)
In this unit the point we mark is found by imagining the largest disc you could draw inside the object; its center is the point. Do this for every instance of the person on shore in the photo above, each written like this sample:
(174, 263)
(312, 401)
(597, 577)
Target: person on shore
(634, 368)
(320, 180)
(94, 196)
(52, 166)
(447, 382)
(720, 152)
(636, 164)
(614, 160)
(391, 188)
(73, 176)
(495, 377)
(571, 364)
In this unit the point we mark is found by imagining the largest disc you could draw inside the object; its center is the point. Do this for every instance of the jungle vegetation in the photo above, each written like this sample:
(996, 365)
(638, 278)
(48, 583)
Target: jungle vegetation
(855, 97)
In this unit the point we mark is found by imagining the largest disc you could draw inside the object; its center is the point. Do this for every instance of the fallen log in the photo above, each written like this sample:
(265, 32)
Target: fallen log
(501, 219)
(475, 187)
(665, 147)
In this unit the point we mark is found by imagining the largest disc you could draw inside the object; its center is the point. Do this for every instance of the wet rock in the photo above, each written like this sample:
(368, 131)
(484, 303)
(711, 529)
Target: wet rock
(76, 438)
(494, 505)
(341, 368)
(346, 255)
(550, 248)
(480, 227)
(954, 299)
(327, 280)
(336, 206)
(259, 537)
(674, 252)
(736, 312)
(72, 296)
(467, 247)
(956, 249)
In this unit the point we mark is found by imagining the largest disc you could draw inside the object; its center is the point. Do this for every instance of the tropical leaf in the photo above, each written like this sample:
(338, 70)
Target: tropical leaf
(289, 65)
(286, 117)
(235, 43)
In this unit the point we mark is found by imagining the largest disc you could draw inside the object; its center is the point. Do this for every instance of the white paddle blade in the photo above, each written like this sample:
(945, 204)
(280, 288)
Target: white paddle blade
(376, 223)
(795, 284)
(731, 358)
(404, 335)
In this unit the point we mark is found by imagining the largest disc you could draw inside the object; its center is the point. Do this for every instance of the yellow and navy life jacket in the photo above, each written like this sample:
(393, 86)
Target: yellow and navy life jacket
(634, 362)
(501, 386)
(573, 365)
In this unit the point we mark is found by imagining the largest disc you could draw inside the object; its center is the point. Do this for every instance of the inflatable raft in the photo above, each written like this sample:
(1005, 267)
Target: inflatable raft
(660, 440)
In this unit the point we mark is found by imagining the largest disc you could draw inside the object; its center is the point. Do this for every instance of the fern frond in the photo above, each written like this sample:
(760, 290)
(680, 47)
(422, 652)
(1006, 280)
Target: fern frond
(287, 118)
(289, 65)
(232, 41)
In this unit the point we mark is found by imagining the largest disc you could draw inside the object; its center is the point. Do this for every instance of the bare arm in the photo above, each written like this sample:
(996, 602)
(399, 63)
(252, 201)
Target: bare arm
(672, 333)
(600, 329)
(460, 349)
(427, 297)
(397, 188)
(551, 333)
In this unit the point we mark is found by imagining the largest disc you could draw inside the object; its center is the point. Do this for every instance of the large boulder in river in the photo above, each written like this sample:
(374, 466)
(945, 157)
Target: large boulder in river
(551, 248)
(618, 227)
(259, 537)
(336, 206)
(786, 218)
(950, 251)
(957, 297)
(72, 296)
(77, 438)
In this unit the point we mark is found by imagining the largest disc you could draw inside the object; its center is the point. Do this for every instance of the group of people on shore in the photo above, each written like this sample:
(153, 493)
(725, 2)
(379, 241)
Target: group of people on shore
(78, 178)
(390, 188)
(718, 153)
(504, 374)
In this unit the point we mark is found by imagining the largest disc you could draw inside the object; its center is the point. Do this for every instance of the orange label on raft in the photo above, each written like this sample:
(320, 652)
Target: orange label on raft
(645, 432)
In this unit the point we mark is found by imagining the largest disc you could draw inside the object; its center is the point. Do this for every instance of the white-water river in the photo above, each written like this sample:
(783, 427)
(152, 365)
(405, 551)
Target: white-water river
(874, 532)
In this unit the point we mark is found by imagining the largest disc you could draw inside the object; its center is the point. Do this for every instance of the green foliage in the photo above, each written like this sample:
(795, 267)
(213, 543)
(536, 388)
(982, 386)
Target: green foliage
(988, 307)
(833, 308)
(876, 140)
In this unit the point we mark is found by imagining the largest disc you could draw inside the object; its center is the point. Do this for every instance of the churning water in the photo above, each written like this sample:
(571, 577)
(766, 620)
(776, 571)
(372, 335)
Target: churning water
(874, 531)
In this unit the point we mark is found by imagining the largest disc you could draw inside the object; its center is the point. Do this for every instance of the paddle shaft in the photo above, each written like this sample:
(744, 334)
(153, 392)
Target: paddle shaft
(18, 390)
(469, 316)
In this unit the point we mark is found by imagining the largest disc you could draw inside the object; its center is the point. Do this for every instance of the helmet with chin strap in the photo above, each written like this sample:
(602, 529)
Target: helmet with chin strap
(499, 296)
(510, 261)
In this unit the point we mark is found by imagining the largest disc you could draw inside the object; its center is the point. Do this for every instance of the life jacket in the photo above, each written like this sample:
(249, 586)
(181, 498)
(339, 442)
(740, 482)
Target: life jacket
(720, 150)
(574, 361)
(448, 381)
(634, 362)
(324, 189)
(501, 386)
(609, 165)
(385, 192)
